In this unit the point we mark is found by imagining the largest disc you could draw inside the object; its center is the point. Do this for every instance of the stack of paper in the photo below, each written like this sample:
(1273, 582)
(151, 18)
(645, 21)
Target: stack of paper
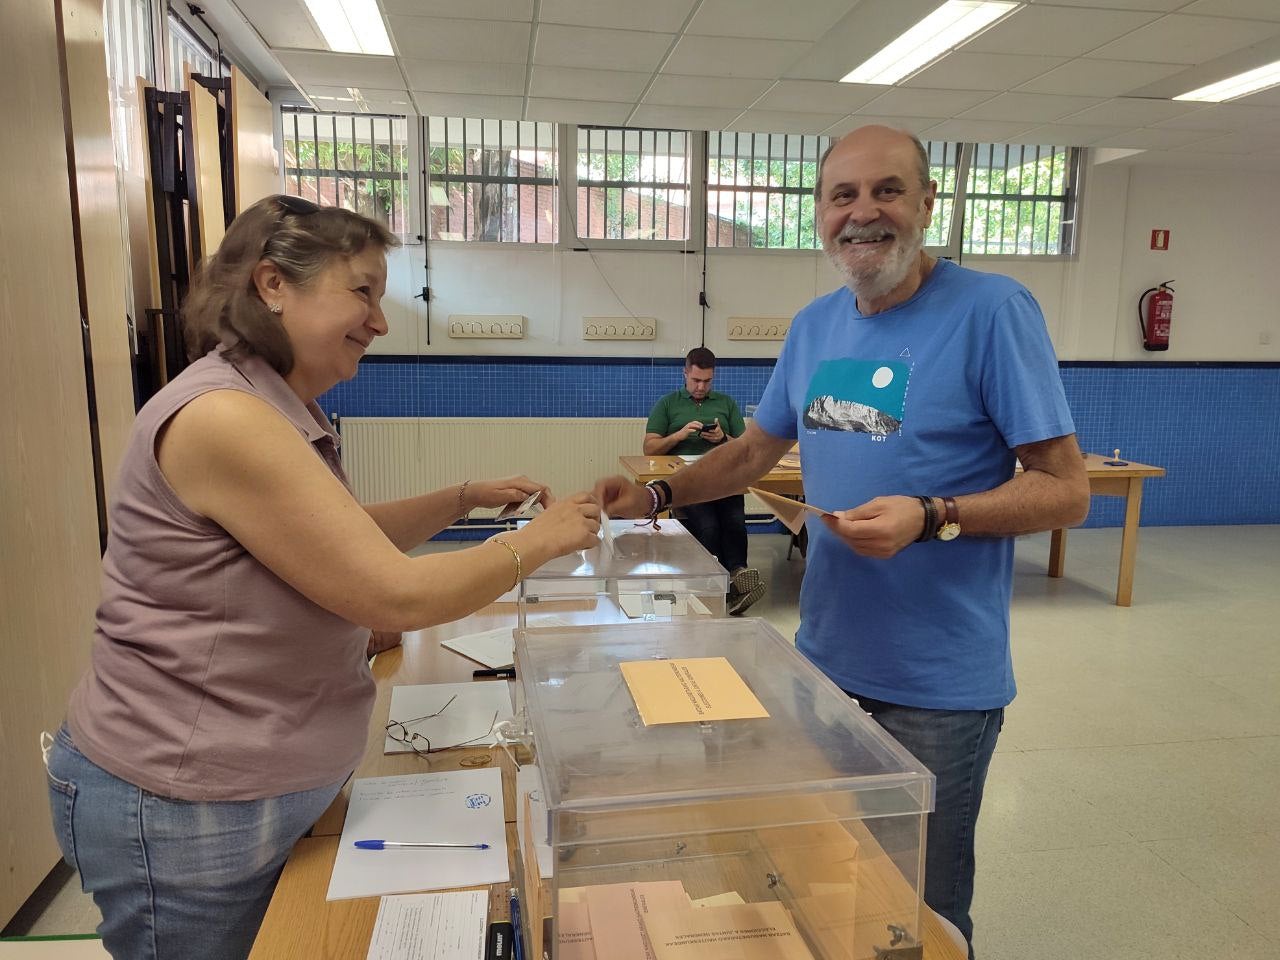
(431, 926)
(463, 806)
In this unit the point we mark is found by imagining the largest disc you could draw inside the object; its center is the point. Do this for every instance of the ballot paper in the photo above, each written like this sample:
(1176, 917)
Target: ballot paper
(431, 926)
(749, 931)
(606, 532)
(618, 913)
(664, 605)
(469, 716)
(689, 690)
(790, 512)
(574, 940)
(461, 806)
(529, 783)
(518, 509)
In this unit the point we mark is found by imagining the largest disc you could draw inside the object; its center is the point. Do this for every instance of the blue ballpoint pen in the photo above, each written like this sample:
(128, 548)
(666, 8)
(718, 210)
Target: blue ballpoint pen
(517, 935)
(389, 844)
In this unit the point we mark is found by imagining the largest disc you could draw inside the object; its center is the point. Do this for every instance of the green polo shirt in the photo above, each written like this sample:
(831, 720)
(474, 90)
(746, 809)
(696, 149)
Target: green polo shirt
(678, 408)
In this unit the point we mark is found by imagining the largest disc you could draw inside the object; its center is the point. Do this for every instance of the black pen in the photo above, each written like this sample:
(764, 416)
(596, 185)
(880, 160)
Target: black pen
(507, 673)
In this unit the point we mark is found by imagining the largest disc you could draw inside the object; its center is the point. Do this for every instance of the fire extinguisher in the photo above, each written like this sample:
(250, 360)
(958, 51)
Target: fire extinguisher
(1154, 319)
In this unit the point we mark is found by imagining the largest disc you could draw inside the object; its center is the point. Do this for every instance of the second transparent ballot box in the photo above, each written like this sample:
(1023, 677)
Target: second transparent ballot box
(637, 573)
(796, 835)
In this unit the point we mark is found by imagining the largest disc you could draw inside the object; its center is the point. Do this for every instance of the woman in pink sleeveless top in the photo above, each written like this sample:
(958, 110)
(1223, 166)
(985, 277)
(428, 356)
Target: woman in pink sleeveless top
(229, 694)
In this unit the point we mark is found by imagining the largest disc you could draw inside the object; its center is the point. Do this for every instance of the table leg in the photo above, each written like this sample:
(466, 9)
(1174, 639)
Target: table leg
(1129, 542)
(1057, 553)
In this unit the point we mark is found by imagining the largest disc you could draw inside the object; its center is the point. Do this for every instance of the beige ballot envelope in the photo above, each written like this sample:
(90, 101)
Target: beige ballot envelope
(790, 512)
(616, 913)
(749, 931)
(689, 690)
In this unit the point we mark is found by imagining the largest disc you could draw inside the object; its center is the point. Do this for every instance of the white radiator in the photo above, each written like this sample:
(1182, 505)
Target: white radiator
(388, 458)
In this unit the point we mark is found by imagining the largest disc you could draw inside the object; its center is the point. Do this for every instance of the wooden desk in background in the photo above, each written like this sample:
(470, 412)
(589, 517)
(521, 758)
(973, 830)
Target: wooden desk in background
(301, 925)
(1105, 481)
(783, 478)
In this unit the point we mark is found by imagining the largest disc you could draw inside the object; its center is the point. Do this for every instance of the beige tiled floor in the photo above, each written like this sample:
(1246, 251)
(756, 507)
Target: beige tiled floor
(1133, 807)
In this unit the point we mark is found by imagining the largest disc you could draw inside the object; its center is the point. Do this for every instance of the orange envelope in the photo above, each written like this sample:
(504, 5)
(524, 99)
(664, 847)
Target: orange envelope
(689, 690)
(617, 912)
(790, 512)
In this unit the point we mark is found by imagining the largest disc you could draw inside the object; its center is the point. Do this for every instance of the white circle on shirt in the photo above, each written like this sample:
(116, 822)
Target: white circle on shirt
(882, 378)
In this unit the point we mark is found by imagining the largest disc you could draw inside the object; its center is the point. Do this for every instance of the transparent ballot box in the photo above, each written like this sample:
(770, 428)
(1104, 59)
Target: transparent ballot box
(796, 835)
(639, 574)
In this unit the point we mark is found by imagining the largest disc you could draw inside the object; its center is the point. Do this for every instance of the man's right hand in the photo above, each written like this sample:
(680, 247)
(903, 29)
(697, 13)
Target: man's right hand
(691, 429)
(620, 497)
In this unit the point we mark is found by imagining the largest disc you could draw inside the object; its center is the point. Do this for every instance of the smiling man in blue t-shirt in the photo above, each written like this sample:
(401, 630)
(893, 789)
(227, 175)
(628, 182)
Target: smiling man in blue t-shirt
(913, 390)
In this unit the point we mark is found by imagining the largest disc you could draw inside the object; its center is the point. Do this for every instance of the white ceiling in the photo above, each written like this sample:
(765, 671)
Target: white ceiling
(1077, 72)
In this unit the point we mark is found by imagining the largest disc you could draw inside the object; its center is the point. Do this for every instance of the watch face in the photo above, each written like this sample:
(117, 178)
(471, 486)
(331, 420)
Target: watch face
(949, 531)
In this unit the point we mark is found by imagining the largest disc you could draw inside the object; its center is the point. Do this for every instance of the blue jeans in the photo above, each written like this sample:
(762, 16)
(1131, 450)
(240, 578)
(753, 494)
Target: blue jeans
(721, 527)
(956, 746)
(173, 878)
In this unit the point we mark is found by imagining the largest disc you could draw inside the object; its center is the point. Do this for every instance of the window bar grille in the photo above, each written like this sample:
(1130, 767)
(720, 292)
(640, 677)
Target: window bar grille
(1053, 185)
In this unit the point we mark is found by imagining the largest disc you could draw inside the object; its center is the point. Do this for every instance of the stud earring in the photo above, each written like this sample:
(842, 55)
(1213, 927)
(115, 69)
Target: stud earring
(276, 308)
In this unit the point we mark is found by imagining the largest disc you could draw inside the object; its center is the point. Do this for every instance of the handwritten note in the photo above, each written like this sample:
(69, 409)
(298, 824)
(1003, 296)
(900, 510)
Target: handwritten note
(463, 806)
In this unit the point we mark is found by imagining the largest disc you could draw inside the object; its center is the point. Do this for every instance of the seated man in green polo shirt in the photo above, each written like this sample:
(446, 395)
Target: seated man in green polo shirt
(692, 421)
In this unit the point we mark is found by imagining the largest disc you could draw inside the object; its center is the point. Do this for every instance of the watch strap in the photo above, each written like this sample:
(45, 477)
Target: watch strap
(930, 520)
(951, 511)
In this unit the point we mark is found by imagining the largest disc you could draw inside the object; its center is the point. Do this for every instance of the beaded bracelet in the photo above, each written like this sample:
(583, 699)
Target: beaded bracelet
(515, 555)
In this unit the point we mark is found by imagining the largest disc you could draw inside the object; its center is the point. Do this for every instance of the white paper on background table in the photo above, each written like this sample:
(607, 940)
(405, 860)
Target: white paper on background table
(431, 926)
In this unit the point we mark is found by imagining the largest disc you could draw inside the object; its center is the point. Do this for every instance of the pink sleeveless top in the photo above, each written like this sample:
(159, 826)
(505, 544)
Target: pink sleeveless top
(211, 678)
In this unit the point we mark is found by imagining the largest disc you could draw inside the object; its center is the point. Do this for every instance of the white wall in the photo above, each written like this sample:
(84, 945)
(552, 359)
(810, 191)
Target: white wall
(1221, 255)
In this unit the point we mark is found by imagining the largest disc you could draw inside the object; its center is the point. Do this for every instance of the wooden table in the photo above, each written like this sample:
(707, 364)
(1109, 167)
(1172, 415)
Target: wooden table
(301, 925)
(783, 478)
(1105, 481)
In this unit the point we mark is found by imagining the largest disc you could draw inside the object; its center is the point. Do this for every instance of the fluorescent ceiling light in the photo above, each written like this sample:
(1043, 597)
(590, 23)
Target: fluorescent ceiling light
(1251, 81)
(936, 35)
(351, 26)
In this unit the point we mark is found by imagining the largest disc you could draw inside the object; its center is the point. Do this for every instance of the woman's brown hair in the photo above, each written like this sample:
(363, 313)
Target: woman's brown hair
(300, 238)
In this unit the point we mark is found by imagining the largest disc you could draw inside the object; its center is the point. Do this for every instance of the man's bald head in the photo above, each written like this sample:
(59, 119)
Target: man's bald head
(875, 137)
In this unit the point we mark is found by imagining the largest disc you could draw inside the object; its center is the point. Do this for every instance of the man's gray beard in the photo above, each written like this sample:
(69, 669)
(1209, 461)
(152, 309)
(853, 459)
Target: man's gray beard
(870, 282)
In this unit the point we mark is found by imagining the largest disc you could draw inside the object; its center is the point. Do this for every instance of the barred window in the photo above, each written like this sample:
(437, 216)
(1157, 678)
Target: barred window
(186, 49)
(760, 190)
(944, 167)
(356, 161)
(492, 180)
(633, 184)
(1020, 200)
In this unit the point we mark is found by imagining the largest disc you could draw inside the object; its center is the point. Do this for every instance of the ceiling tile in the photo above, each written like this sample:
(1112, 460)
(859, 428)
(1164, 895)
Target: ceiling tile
(869, 25)
(729, 57)
(1248, 9)
(433, 38)
(818, 96)
(1188, 40)
(779, 121)
(1263, 98)
(768, 19)
(1065, 134)
(1131, 112)
(663, 116)
(341, 100)
(1160, 6)
(578, 111)
(983, 71)
(567, 83)
(663, 16)
(462, 9)
(1058, 31)
(981, 131)
(921, 102)
(915, 124)
(1037, 107)
(285, 24)
(443, 76)
(1233, 117)
(705, 91)
(468, 105)
(1153, 139)
(1238, 143)
(599, 49)
(342, 69)
(1099, 78)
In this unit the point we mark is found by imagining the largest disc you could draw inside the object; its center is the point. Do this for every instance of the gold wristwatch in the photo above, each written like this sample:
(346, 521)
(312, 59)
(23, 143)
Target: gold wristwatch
(950, 528)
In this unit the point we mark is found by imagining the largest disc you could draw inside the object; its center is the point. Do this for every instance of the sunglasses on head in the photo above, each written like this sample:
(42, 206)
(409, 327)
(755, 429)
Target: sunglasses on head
(298, 205)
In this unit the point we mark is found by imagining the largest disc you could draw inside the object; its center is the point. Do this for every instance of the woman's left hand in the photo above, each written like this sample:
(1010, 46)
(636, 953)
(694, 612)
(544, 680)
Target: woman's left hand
(498, 493)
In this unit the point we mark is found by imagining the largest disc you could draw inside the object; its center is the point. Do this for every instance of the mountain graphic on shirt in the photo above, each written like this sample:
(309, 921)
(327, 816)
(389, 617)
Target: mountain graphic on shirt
(858, 396)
